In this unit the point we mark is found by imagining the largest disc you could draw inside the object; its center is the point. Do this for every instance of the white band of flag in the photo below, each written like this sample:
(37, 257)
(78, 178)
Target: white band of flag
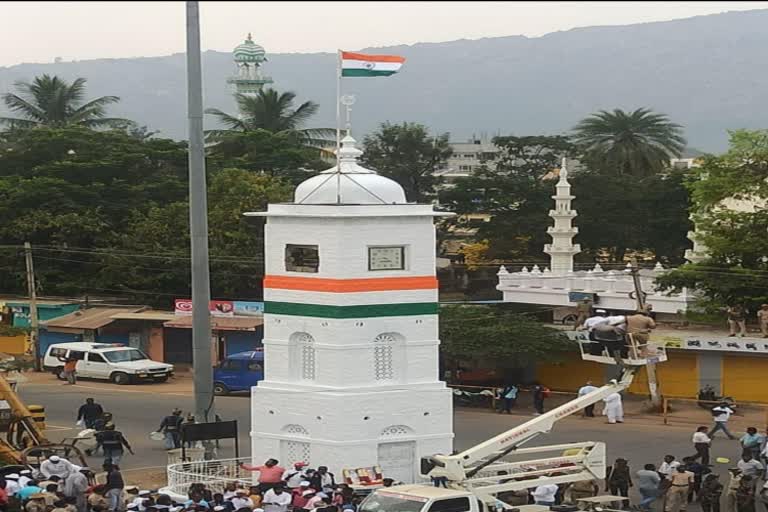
(362, 65)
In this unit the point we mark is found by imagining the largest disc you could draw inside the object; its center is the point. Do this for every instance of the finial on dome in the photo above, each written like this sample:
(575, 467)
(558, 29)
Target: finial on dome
(250, 38)
(349, 151)
(563, 170)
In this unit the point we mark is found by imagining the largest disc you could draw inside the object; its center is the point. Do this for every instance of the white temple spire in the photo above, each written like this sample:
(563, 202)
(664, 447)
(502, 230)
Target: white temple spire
(562, 249)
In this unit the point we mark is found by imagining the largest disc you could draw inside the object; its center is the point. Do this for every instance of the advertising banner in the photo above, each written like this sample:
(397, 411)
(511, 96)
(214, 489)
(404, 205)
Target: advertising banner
(243, 308)
(216, 307)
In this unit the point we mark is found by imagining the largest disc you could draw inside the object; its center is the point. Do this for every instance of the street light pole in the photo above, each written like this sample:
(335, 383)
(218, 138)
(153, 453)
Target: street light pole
(198, 226)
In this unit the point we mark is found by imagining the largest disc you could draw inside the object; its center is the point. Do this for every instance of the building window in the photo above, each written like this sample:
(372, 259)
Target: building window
(301, 258)
(465, 167)
(396, 431)
(468, 155)
(303, 355)
(383, 356)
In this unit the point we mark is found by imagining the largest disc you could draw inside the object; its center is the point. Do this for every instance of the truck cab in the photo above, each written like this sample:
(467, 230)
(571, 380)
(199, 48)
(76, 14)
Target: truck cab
(421, 498)
(238, 372)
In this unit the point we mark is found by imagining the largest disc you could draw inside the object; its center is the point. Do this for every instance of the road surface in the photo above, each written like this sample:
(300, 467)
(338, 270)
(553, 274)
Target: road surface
(139, 409)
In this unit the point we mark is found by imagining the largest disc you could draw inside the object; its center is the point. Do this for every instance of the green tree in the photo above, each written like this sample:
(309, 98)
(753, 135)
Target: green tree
(274, 112)
(276, 154)
(513, 190)
(408, 154)
(730, 194)
(51, 101)
(648, 217)
(470, 333)
(636, 144)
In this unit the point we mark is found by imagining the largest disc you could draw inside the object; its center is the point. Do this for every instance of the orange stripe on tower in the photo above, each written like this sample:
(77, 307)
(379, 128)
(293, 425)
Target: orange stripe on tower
(376, 284)
(371, 58)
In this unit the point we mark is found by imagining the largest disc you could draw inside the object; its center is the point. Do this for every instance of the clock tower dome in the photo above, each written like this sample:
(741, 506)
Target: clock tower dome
(351, 328)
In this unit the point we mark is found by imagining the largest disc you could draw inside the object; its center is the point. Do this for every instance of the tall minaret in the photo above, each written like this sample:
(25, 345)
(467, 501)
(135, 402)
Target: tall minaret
(562, 249)
(248, 57)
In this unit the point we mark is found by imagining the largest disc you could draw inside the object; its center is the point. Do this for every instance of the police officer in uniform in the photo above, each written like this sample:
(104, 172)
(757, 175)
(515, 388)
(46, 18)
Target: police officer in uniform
(171, 426)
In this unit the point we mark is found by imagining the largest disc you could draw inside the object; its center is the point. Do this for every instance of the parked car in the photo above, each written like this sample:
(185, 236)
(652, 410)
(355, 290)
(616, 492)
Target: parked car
(108, 361)
(238, 372)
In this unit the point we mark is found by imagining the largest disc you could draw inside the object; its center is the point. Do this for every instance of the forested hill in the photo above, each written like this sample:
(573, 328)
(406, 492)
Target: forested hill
(706, 73)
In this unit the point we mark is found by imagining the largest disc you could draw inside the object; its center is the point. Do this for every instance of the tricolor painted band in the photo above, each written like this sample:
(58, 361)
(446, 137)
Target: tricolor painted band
(374, 284)
(368, 311)
(360, 64)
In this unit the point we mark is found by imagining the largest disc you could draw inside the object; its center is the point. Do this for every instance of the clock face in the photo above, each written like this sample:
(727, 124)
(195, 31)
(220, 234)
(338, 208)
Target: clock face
(386, 258)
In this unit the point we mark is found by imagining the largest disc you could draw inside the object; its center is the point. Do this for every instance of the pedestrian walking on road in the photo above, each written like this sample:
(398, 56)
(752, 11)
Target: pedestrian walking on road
(171, 426)
(70, 369)
(539, 394)
(89, 412)
(702, 443)
(113, 441)
(618, 479)
(114, 487)
(762, 319)
(508, 397)
(648, 481)
(711, 490)
(589, 411)
(721, 414)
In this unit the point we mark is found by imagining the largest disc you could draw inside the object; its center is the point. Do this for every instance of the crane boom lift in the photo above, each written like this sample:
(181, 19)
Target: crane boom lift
(464, 465)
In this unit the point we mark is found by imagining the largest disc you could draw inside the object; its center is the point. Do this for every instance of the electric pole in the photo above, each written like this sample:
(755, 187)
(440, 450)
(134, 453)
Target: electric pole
(198, 226)
(34, 335)
(650, 367)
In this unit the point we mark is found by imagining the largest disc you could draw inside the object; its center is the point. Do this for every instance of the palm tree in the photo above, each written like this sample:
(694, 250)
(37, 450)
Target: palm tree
(638, 143)
(274, 112)
(51, 101)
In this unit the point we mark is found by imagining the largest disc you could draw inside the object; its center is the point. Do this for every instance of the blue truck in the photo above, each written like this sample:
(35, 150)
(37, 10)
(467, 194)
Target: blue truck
(238, 372)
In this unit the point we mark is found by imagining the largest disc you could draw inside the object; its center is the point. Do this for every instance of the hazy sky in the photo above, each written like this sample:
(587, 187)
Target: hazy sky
(42, 31)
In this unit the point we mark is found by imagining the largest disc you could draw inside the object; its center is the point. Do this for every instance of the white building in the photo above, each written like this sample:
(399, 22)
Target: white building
(560, 285)
(562, 249)
(351, 328)
(468, 157)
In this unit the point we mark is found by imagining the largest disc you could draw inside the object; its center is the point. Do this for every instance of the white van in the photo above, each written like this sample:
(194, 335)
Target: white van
(108, 361)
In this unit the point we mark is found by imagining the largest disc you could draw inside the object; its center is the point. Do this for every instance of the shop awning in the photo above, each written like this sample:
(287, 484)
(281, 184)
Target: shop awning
(93, 318)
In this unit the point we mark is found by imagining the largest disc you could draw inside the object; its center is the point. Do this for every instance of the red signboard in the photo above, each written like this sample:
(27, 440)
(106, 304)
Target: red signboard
(216, 307)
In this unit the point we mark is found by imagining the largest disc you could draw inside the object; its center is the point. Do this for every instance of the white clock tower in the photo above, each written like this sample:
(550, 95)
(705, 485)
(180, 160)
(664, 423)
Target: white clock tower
(351, 328)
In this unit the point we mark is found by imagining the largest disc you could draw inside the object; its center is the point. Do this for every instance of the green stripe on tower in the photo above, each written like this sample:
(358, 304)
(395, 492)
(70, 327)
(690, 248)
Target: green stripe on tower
(374, 310)
(365, 72)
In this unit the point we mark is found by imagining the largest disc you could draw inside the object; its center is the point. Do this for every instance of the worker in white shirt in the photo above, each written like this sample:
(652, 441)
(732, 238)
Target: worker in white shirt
(57, 466)
(24, 477)
(702, 442)
(241, 500)
(276, 500)
(599, 317)
(545, 494)
(294, 477)
(668, 466)
(721, 414)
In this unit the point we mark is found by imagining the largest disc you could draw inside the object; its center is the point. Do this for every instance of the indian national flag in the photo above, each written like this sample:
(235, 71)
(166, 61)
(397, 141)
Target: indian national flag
(360, 64)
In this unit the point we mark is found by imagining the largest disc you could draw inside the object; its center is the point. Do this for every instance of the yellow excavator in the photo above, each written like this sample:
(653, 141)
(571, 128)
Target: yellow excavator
(22, 441)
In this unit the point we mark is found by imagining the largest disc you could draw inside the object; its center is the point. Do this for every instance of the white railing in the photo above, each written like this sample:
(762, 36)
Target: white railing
(214, 474)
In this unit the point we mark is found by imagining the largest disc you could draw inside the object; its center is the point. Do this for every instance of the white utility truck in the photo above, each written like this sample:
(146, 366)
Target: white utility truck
(476, 477)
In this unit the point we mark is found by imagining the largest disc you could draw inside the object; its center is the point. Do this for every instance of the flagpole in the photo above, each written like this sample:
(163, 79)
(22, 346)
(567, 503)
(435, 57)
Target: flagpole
(338, 126)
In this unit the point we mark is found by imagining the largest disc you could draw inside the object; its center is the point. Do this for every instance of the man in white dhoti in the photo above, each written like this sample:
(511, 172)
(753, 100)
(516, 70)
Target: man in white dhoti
(613, 408)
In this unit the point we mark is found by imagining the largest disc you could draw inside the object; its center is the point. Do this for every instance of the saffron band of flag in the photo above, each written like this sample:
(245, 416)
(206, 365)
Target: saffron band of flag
(361, 64)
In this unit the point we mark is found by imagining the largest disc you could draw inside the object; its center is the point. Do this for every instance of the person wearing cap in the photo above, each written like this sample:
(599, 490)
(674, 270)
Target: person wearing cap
(24, 477)
(12, 485)
(301, 495)
(276, 499)
(293, 477)
(112, 442)
(171, 426)
(241, 500)
(75, 486)
(57, 466)
(36, 503)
